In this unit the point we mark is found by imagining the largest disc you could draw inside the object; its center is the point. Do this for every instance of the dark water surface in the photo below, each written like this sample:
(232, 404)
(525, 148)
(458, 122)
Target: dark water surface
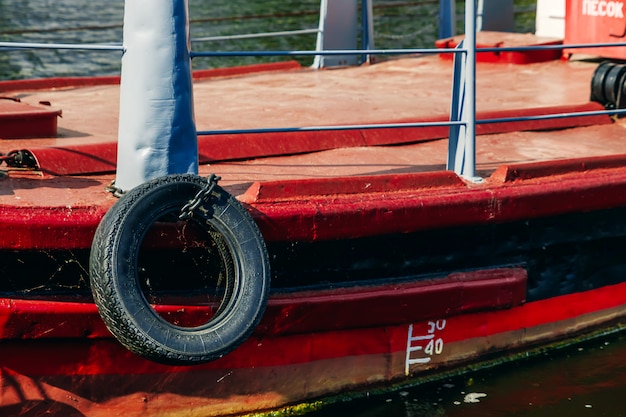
(397, 23)
(584, 380)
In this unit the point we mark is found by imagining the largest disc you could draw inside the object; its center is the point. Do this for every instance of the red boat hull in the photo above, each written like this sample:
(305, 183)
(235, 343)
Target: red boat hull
(96, 376)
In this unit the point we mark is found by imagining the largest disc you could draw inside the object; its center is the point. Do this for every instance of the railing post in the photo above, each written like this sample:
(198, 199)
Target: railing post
(447, 18)
(469, 165)
(157, 133)
(462, 145)
(495, 15)
(338, 30)
(367, 28)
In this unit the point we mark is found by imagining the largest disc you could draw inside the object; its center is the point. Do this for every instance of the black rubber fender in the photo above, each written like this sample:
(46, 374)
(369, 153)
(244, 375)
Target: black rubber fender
(598, 81)
(118, 293)
(612, 83)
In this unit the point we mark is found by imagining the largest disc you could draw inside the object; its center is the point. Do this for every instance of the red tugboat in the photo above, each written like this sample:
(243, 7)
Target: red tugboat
(285, 265)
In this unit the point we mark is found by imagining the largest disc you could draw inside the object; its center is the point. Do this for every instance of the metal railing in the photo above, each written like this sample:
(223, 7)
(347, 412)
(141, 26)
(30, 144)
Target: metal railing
(256, 35)
(13, 46)
(462, 123)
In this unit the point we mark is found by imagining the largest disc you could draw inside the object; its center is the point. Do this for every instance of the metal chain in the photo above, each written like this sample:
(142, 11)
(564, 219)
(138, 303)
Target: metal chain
(187, 211)
(115, 190)
(19, 159)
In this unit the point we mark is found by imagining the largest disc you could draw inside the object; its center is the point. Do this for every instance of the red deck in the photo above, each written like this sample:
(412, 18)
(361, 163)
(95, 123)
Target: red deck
(413, 89)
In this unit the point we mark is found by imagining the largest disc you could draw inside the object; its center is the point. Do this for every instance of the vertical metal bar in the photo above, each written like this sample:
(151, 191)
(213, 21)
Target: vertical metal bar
(338, 30)
(367, 28)
(456, 146)
(447, 18)
(495, 15)
(319, 44)
(469, 110)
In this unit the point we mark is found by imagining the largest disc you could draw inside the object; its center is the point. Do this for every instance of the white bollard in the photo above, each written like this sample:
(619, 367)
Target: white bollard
(157, 133)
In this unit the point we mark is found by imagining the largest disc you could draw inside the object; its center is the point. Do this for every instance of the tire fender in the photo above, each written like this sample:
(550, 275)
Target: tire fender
(117, 291)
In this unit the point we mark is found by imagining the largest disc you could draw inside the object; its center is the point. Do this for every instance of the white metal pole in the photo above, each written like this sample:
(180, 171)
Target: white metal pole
(157, 133)
(469, 112)
(318, 62)
(367, 23)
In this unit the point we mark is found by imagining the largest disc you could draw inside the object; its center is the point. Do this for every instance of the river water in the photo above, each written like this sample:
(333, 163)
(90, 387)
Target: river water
(401, 24)
(398, 24)
(585, 380)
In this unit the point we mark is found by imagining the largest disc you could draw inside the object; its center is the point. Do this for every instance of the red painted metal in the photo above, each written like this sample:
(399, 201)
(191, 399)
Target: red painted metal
(472, 324)
(486, 39)
(329, 208)
(303, 312)
(382, 137)
(102, 157)
(98, 377)
(87, 158)
(52, 227)
(536, 170)
(324, 210)
(246, 69)
(66, 82)
(56, 82)
(351, 187)
(348, 308)
(224, 147)
(603, 22)
(21, 120)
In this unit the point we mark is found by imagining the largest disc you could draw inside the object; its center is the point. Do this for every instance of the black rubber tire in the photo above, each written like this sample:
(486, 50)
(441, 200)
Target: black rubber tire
(612, 83)
(598, 81)
(117, 291)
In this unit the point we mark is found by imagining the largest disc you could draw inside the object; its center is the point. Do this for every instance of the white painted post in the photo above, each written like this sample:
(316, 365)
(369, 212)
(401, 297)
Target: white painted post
(462, 141)
(550, 18)
(338, 30)
(367, 27)
(469, 110)
(157, 133)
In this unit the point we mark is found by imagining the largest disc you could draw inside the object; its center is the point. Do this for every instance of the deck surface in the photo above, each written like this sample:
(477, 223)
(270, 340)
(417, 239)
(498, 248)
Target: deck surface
(396, 90)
